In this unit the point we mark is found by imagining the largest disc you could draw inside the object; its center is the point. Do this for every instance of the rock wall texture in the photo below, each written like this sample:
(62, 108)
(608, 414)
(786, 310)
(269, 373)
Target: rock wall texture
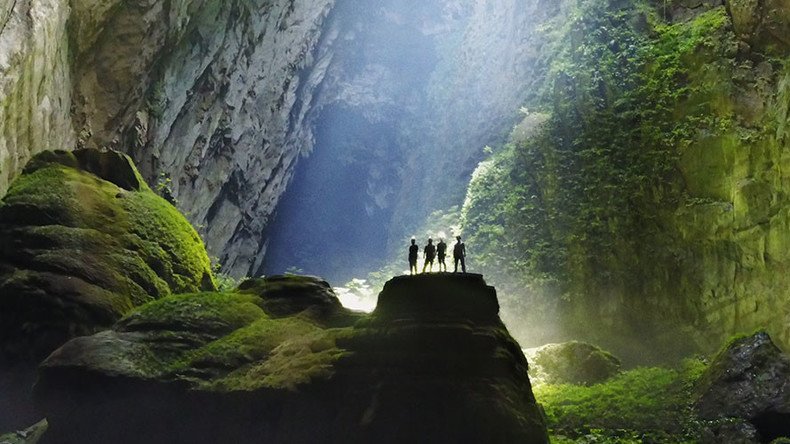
(211, 95)
(654, 199)
(35, 82)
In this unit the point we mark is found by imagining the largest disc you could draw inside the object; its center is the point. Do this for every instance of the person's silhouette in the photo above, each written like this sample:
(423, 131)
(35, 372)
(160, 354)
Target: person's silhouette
(414, 251)
(430, 254)
(441, 252)
(459, 254)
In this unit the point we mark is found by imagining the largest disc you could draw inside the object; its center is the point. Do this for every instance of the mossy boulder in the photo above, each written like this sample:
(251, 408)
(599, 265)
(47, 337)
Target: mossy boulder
(83, 240)
(571, 362)
(748, 381)
(280, 360)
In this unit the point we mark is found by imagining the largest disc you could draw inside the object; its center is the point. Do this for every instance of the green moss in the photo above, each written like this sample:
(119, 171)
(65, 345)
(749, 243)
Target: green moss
(298, 358)
(95, 247)
(648, 187)
(210, 312)
(642, 401)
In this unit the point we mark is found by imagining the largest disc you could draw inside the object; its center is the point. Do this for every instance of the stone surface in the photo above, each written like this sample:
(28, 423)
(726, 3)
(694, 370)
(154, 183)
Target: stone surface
(35, 82)
(571, 363)
(30, 435)
(238, 367)
(213, 95)
(748, 380)
(84, 240)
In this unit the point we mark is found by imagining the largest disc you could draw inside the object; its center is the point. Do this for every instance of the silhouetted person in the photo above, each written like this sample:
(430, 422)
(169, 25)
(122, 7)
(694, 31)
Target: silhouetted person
(430, 255)
(414, 251)
(441, 252)
(459, 254)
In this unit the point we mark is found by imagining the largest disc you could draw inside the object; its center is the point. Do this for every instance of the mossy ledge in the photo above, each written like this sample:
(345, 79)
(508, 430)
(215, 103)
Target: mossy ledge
(280, 360)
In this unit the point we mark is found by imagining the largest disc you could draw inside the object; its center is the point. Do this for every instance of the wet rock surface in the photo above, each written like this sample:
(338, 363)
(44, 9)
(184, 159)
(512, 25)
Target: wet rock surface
(247, 366)
(748, 381)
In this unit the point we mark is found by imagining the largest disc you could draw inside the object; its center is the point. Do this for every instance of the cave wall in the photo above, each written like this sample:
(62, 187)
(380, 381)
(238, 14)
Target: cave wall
(34, 82)
(216, 101)
(649, 212)
(442, 80)
(210, 97)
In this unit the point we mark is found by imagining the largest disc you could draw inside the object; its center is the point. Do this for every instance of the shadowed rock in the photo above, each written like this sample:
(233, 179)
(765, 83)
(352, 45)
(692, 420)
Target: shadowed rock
(83, 241)
(281, 361)
(748, 381)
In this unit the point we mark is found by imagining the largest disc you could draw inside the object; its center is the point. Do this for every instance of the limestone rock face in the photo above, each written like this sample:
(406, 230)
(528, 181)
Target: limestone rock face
(279, 360)
(212, 95)
(83, 240)
(216, 101)
(35, 82)
(750, 381)
(764, 25)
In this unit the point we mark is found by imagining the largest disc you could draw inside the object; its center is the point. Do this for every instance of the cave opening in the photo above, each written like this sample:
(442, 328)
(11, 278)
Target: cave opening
(333, 219)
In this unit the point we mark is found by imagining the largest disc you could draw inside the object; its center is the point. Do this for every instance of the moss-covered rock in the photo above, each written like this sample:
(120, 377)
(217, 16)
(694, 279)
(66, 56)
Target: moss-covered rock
(83, 240)
(571, 363)
(279, 360)
(749, 381)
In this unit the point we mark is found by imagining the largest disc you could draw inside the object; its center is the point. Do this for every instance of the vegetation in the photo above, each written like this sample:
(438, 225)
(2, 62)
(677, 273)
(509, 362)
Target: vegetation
(631, 179)
(595, 177)
(637, 406)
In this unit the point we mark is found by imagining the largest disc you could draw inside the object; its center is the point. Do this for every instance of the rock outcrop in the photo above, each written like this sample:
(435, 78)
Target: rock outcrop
(279, 360)
(747, 383)
(83, 240)
(572, 362)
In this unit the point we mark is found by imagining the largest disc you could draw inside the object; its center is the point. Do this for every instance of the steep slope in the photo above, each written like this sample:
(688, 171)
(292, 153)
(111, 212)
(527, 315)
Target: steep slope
(651, 206)
(280, 360)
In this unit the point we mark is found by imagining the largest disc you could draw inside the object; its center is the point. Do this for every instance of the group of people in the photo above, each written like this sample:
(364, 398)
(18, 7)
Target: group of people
(432, 252)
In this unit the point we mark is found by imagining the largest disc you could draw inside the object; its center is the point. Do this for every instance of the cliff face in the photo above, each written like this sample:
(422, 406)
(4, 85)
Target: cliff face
(414, 92)
(655, 193)
(280, 360)
(35, 82)
(219, 99)
(211, 95)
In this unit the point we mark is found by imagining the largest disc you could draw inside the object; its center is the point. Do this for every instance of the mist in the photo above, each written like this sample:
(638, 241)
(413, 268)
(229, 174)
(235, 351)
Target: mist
(414, 95)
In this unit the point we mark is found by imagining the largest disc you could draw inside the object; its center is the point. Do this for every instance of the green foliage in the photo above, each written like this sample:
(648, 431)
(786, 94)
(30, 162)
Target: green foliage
(581, 198)
(164, 188)
(640, 405)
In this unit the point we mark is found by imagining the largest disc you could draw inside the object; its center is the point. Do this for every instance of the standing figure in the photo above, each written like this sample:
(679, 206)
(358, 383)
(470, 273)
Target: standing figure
(414, 251)
(459, 254)
(430, 254)
(441, 252)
